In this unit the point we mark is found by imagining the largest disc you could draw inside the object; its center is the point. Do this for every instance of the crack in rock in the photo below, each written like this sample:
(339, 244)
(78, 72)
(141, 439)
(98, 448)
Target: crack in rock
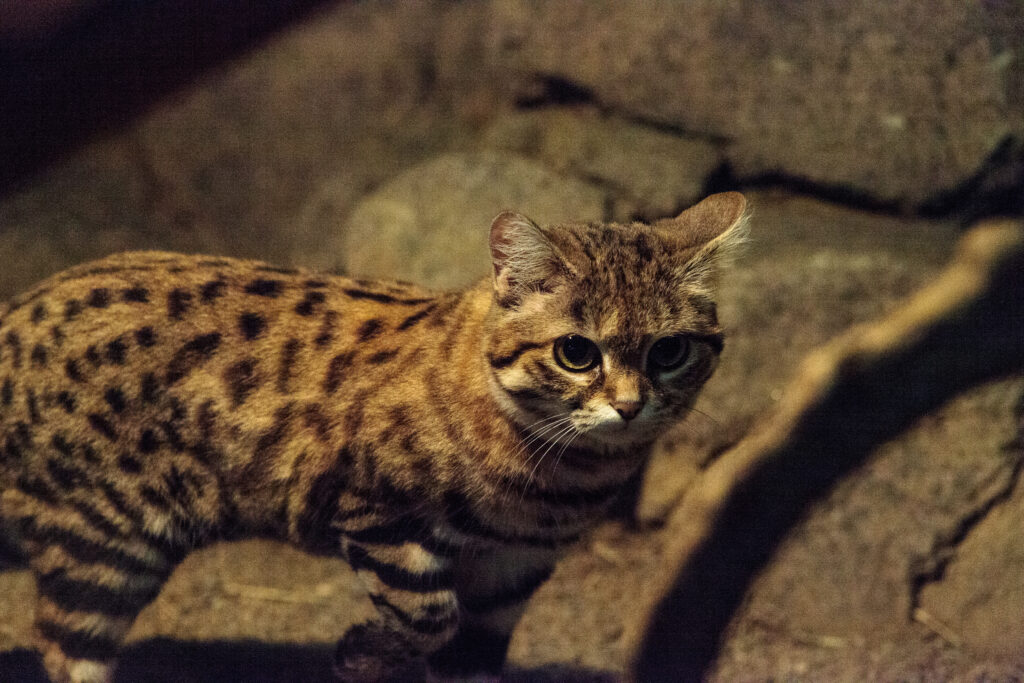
(932, 567)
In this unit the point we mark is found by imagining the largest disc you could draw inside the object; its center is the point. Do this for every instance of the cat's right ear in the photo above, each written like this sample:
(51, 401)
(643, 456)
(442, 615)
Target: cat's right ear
(521, 254)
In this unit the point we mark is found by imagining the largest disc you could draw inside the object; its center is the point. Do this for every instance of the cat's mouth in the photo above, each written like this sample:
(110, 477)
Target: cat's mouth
(621, 433)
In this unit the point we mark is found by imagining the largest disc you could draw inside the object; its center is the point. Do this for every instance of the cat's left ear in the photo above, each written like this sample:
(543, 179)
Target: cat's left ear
(708, 231)
(523, 258)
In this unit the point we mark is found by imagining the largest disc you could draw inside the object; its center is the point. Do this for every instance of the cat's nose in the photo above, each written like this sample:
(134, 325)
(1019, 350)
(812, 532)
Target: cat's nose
(627, 409)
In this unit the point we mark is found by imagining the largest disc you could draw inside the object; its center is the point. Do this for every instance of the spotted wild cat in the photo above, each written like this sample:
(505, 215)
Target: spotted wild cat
(449, 446)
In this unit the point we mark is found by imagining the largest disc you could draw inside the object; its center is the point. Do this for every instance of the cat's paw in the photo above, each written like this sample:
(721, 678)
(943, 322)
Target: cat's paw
(370, 652)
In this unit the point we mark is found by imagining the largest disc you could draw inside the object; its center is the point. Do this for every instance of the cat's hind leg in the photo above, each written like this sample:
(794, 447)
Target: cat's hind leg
(93, 574)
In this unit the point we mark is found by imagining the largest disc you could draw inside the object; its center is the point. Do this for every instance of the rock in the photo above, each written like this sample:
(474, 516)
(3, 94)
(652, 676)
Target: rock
(900, 101)
(649, 173)
(430, 224)
(977, 601)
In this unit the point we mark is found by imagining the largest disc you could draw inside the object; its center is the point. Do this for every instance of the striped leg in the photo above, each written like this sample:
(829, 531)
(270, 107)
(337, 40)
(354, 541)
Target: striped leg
(493, 589)
(91, 586)
(413, 590)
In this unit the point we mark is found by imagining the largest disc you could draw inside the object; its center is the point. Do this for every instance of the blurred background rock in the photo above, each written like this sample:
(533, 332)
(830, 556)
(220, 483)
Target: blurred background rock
(379, 138)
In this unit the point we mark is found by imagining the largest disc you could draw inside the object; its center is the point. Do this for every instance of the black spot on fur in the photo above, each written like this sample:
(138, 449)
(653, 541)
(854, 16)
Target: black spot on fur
(148, 441)
(178, 303)
(326, 333)
(139, 295)
(211, 291)
(102, 425)
(72, 370)
(145, 337)
(66, 401)
(149, 390)
(369, 329)
(7, 392)
(72, 308)
(308, 305)
(14, 341)
(193, 353)
(93, 356)
(252, 325)
(268, 288)
(416, 317)
(384, 298)
(98, 298)
(241, 380)
(33, 406)
(289, 352)
(39, 313)
(335, 370)
(382, 356)
(129, 464)
(39, 355)
(115, 399)
(116, 351)
(61, 445)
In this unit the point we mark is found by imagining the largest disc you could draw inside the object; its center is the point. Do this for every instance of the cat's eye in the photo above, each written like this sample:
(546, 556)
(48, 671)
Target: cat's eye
(668, 353)
(576, 353)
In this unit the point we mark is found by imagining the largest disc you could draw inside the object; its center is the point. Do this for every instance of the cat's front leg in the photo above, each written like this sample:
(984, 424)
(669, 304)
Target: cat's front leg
(413, 590)
(493, 588)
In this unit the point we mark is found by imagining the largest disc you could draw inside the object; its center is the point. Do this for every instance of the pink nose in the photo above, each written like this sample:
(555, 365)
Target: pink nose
(627, 409)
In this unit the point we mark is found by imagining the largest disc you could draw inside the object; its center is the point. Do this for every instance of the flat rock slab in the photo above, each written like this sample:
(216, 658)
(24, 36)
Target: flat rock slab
(900, 100)
(649, 173)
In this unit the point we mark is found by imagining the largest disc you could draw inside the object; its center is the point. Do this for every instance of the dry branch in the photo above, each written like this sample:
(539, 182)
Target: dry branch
(854, 393)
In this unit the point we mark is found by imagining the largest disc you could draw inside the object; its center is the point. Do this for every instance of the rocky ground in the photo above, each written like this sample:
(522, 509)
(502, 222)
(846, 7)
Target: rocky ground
(909, 570)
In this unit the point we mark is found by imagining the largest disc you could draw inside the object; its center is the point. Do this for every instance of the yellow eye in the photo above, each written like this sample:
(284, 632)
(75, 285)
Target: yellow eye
(576, 353)
(668, 353)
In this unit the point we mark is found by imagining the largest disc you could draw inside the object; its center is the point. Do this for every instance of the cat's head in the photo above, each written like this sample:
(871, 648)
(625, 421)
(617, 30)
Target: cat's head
(602, 334)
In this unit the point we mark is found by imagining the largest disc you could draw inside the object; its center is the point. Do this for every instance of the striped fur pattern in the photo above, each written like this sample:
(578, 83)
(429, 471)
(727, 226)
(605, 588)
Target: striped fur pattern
(152, 402)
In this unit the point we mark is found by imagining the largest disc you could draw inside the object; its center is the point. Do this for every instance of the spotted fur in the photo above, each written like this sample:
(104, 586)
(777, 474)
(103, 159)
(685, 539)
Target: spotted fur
(153, 402)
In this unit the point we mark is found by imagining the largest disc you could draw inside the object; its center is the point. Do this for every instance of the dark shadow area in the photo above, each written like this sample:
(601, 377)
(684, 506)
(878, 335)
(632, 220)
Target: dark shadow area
(163, 660)
(996, 190)
(113, 61)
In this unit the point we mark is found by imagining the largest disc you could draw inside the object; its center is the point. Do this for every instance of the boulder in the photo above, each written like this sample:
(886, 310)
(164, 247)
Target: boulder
(649, 173)
(430, 224)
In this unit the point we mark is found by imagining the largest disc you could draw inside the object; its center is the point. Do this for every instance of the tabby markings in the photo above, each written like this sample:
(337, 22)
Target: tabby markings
(335, 368)
(267, 288)
(369, 329)
(191, 354)
(139, 295)
(289, 352)
(98, 298)
(383, 298)
(505, 360)
(308, 305)
(178, 303)
(251, 325)
(116, 350)
(241, 380)
(211, 291)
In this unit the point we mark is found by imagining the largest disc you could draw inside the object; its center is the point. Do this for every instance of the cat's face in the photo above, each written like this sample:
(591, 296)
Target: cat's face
(602, 335)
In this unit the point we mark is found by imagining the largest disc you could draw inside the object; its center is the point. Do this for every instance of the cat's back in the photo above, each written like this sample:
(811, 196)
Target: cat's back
(116, 352)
